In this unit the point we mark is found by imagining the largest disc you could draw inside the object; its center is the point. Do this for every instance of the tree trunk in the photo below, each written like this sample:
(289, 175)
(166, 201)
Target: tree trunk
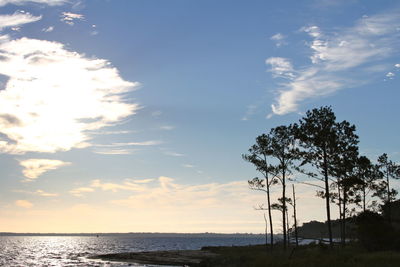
(344, 216)
(270, 215)
(327, 198)
(295, 217)
(284, 207)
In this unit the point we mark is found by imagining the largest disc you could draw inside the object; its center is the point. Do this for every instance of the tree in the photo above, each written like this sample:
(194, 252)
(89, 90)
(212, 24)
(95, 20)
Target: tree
(283, 149)
(258, 156)
(390, 170)
(343, 170)
(368, 176)
(319, 137)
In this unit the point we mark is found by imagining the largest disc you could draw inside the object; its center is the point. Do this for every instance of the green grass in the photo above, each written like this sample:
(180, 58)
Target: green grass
(308, 256)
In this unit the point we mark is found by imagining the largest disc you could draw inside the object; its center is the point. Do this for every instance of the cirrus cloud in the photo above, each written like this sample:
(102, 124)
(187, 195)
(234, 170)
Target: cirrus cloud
(339, 60)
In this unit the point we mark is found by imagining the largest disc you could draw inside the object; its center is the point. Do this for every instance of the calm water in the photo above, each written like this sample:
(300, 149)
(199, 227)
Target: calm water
(75, 250)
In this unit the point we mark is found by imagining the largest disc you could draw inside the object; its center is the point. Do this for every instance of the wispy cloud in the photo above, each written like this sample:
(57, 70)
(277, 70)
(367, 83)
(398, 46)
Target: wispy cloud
(188, 166)
(279, 39)
(38, 192)
(48, 29)
(144, 143)
(23, 2)
(56, 97)
(136, 185)
(369, 41)
(69, 17)
(78, 192)
(114, 152)
(23, 203)
(17, 19)
(167, 127)
(33, 168)
(173, 154)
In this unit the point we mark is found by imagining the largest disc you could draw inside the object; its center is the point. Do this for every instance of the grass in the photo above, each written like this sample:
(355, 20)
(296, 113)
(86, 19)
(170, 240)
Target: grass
(308, 256)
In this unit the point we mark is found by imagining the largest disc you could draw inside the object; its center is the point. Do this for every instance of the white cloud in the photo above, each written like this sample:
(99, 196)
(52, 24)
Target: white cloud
(48, 29)
(54, 97)
(23, 204)
(69, 17)
(335, 60)
(17, 19)
(22, 2)
(279, 39)
(114, 152)
(144, 143)
(390, 75)
(33, 168)
(397, 65)
(281, 67)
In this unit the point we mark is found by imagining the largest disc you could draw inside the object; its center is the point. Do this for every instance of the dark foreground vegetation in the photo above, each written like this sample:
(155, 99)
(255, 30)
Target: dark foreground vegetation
(311, 255)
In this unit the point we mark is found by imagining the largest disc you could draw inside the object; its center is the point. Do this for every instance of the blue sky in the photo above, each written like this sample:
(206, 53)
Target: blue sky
(131, 115)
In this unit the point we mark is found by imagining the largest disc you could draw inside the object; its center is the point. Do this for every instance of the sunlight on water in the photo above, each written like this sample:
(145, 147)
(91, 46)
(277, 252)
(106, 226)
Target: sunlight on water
(76, 250)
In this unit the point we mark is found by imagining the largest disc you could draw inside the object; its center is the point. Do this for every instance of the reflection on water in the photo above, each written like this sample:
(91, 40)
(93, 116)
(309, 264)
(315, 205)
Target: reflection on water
(75, 250)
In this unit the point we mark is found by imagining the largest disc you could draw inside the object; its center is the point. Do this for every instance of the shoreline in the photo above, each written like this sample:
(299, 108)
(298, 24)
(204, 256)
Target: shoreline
(165, 257)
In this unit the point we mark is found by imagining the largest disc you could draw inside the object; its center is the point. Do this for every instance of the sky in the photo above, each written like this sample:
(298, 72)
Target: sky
(133, 115)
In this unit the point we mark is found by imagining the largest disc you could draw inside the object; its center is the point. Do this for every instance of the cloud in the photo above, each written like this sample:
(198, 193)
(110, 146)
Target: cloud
(24, 204)
(167, 127)
(78, 192)
(281, 67)
(279, 39)
(23, 2)
(188, 166)
(397, 65)
(114, 152)
(369, 41)
(390, 75)
(48, 29)
(17, 19)
(69, 17)
(57, 95)
(250, 111)
(38, 192)
(136, 185)
(173, 154)
(33, 168)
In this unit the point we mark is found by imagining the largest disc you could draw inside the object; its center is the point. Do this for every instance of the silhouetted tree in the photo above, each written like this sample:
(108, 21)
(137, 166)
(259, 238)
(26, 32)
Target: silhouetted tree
(259, 155)
(285, 152)
(319, 136)
(368, 176)
(343, 170)
(390, 170)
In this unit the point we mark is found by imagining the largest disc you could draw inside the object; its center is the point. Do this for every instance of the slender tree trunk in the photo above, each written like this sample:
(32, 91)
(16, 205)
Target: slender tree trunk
(287, 228)
(344, 216)
(270, 215)
(327, 198)
(266, 231)
(284, 207)
(340, 211)
(295, 217)
(388, 196)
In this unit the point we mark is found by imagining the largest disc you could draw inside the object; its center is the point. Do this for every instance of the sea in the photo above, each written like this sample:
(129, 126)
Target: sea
(75, 250)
